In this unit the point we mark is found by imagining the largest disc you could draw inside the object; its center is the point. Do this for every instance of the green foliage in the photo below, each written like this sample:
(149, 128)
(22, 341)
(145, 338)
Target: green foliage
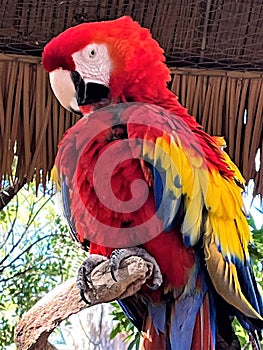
(36, 254)
(256, 248)
(124, 326)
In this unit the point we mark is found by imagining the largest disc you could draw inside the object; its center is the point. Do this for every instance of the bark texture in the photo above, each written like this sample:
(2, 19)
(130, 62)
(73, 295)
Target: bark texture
(37, 324)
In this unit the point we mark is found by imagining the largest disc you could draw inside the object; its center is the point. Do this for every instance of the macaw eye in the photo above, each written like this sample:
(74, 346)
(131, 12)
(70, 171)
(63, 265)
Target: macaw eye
(92, 53)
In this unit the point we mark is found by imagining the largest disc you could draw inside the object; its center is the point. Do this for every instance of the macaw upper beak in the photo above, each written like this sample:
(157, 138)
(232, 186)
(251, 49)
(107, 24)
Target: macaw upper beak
(90, 93)
(64, 89)
(75, 94)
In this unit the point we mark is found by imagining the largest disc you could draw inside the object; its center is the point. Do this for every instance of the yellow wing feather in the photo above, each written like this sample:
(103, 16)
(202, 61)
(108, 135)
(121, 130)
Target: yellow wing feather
(188, 176)
(55, 178)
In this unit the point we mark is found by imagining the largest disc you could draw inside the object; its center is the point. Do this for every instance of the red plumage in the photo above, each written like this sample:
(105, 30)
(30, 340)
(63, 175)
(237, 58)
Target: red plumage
(174, 258)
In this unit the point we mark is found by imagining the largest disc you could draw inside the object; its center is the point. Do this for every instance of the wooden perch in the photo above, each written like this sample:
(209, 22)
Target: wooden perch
(37, 324)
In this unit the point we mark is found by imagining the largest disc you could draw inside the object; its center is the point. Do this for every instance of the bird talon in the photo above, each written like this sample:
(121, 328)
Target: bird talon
(120, 254)
(116, 257)
(84, 282)
(82, 294)
(113, 273)
(154, 287)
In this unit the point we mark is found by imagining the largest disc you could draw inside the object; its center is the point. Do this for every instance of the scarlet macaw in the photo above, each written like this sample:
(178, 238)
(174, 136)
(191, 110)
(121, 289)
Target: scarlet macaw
(200, 236)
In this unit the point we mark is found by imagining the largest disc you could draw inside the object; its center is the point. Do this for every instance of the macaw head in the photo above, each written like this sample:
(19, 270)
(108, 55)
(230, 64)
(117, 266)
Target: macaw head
(94, 64)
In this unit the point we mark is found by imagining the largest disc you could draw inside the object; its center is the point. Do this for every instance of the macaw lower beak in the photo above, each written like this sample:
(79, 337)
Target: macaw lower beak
(90, 94)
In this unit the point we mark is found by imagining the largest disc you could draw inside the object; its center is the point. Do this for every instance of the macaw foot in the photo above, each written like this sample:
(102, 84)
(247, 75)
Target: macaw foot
(120, 254)
(84, 281)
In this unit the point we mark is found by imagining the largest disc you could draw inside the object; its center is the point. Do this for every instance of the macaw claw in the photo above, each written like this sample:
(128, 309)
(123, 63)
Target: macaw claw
(84, 282)
(112, 269)
(120, 254)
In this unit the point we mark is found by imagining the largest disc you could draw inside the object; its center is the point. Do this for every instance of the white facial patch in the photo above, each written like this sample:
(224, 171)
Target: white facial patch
(64, 89)
(93, 63)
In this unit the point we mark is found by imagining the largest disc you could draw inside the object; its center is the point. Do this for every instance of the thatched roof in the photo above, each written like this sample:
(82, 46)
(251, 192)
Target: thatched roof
(222, 33)
(215, 45)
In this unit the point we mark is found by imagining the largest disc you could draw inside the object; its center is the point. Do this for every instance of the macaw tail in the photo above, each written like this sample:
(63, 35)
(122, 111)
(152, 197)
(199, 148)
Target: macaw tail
(190, 325)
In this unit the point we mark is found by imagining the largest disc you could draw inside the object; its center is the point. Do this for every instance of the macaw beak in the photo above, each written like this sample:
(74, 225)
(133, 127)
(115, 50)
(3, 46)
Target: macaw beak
(75, 94)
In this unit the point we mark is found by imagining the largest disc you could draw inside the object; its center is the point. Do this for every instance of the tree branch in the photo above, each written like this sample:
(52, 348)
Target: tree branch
(36, 325)
(8, 193)
(3, 267)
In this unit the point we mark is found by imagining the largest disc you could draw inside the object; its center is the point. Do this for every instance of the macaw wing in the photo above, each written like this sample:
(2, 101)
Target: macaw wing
(197, 187)
(100, 206)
